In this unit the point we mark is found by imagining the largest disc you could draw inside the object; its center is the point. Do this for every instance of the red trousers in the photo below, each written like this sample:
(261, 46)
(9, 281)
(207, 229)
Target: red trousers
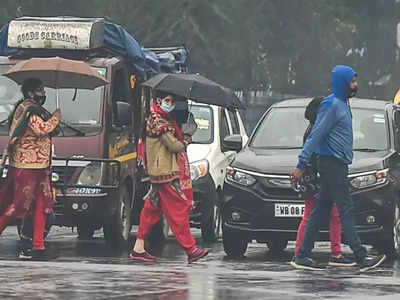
(176, 210)
(335, 228)
(39, 221)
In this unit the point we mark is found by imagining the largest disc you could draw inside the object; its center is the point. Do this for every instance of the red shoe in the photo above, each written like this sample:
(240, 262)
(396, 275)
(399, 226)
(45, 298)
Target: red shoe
(144, 257)
(196, 255)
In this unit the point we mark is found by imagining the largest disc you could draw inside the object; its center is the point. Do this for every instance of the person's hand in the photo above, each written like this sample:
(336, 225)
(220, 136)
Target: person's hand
(187, 139)
(57, 113)
(297, 174)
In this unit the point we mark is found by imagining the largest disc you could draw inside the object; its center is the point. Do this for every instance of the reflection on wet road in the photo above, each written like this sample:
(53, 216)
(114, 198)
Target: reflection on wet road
(89, 270)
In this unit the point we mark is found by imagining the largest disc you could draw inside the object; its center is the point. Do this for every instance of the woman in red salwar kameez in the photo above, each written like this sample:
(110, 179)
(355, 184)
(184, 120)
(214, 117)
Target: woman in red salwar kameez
(28, 186)
(172, 195)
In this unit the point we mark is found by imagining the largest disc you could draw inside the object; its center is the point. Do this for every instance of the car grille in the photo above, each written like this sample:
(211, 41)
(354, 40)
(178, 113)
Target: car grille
(283, 192)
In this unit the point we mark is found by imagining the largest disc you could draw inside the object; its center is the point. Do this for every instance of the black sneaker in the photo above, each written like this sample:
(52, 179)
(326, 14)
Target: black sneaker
(45, 254)
(371, 262)
(306, 264)
(24, 254)
(341, 262)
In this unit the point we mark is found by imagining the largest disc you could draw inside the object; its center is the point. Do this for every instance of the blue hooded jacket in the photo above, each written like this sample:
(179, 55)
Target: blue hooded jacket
(332, 133)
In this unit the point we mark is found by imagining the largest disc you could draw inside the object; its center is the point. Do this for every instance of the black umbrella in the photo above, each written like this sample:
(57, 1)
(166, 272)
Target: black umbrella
(196, 88)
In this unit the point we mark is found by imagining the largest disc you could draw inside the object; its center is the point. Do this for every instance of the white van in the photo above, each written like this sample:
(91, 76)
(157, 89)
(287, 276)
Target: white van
(208, 162)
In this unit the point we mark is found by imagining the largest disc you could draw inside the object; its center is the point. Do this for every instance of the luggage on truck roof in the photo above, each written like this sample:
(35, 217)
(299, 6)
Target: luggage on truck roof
(172, 59)
(69, 36)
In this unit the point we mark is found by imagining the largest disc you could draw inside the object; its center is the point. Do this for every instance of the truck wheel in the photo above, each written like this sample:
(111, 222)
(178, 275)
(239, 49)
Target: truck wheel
(159, 233)
(235, 245)
(85, 231)
(277, 246)
(117, 229)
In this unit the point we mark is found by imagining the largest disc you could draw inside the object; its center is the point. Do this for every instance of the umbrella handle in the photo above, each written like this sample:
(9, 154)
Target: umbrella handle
(57, 102)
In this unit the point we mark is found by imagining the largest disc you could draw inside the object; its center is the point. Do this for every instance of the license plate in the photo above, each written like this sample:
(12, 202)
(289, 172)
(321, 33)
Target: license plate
(289, 210)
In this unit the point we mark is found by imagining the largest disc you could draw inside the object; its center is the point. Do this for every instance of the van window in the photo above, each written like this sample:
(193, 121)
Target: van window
(203, 115)
(234, 122)
(224, 125)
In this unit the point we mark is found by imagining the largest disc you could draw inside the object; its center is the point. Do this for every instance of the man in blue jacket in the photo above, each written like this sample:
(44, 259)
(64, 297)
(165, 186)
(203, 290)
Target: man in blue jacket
(332, 139)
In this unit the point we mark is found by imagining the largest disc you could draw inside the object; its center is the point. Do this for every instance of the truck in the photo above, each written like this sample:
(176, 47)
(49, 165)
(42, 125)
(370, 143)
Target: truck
(94, 169)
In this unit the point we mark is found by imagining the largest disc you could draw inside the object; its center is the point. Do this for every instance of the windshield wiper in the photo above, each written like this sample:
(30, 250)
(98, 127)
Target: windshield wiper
(3, 122)
(79, 132)
(366, 149)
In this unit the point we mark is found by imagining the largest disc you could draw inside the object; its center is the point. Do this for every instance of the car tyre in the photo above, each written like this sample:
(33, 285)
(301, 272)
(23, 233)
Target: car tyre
(277, 246)
(235, 245)
(396, 229)
(208, 227)
(117, 230)
(390, 243)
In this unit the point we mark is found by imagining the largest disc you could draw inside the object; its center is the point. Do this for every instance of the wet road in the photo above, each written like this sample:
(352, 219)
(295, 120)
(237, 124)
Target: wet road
(89, 270)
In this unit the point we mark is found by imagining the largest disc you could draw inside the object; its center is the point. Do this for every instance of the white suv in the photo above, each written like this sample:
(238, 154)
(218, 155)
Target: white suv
(208, 162)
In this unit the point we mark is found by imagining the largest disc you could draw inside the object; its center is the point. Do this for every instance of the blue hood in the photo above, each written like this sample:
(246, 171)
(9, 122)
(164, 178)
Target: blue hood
(341, 78)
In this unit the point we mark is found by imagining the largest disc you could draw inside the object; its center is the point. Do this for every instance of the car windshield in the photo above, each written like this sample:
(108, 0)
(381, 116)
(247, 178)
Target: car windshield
(204, 119)
(283, 128)
(82, 111)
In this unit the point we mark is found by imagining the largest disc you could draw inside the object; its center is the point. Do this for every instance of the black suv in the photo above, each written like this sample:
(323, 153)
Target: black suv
(260, 203)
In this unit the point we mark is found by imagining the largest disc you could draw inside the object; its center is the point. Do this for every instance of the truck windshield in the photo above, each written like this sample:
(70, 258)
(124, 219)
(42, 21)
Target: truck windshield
(204, 119)
(369, 129)
(83, 111)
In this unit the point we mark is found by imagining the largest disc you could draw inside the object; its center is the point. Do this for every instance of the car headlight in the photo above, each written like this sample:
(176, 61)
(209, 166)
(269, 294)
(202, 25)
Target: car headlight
(239, 177)
(92, 174)
(198, 169)
(369, 179)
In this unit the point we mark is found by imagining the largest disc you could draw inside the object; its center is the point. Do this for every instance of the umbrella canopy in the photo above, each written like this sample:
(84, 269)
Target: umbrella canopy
(194, 87)
(57, 72)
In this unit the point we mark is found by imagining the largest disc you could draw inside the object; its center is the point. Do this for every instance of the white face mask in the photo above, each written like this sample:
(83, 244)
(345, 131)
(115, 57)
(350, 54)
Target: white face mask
(167, 108)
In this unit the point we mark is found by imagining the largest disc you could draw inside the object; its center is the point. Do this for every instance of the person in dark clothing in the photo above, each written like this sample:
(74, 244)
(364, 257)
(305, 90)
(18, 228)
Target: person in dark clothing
(309, 186)
(332, 139)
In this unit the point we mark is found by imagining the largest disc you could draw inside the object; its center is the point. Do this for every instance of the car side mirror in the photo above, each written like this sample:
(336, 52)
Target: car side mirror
(232, 143)
(123, 115)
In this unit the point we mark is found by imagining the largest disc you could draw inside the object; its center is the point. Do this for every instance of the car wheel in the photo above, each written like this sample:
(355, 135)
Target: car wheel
(396, 230)
(389, 244)
(278, 245)
(117, 230)
(218, 222)
(235, 245)
(208, 227)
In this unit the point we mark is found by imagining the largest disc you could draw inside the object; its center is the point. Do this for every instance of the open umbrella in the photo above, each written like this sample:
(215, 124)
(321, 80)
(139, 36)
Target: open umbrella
(57, 73)
(195, 87)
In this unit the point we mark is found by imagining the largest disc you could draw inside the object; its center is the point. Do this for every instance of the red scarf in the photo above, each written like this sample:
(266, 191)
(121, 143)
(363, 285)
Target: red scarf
(158, 126)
